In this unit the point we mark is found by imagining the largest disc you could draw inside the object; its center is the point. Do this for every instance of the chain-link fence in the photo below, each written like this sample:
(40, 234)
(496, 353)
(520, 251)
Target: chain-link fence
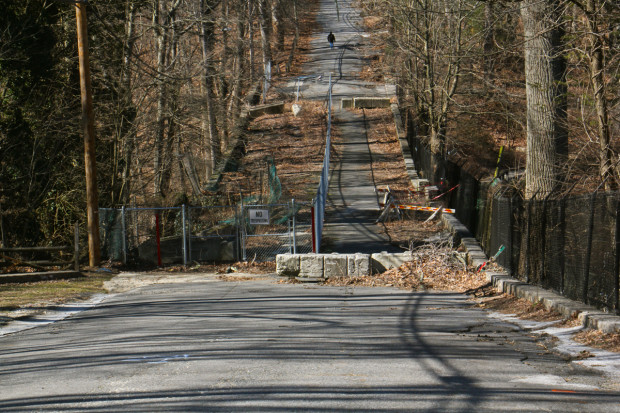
(268, 230)
(570, 245)
(186, 234)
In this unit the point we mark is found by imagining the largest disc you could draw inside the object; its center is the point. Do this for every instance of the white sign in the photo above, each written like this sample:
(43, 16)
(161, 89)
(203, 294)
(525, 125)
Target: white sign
(259, 216)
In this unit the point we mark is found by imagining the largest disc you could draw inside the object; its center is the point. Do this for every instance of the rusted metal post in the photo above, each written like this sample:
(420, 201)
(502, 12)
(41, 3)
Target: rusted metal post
(88, 124)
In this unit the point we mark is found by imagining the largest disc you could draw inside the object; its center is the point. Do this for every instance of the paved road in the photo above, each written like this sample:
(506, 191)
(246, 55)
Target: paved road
(352, 205)
(263, 346)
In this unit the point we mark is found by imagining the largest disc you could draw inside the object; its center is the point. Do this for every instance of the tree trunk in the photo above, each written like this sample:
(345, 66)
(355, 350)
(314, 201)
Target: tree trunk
(161, 32)
(251, 36)
(597, 69)
(545, 71)
(488, 46)
(209, 119)
(128, 118)
(289, 63)
(265, 32)
(277, 17)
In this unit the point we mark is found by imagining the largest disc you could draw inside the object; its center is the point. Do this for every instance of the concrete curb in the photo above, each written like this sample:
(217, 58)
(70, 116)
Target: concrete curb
(588, 316)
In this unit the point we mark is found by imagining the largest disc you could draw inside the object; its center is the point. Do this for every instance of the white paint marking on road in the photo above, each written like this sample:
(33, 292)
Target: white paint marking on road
(157, 359)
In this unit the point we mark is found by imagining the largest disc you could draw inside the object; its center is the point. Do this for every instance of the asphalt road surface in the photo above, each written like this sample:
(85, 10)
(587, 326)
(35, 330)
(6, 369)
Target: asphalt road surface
(265, 346)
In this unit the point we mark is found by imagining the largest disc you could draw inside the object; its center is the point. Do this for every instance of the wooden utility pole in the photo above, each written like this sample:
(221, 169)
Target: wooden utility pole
(88, 124)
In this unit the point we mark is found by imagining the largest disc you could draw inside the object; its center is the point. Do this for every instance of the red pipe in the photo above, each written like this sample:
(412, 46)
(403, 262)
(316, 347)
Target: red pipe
(158, 239)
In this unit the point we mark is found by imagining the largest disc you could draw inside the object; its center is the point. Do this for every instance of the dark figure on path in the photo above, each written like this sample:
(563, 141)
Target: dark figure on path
(331, 39)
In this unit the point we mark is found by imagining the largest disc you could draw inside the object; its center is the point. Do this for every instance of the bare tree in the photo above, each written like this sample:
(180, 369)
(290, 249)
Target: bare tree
(431, 41)
(597, 17)
(545, 73)
(209, 124)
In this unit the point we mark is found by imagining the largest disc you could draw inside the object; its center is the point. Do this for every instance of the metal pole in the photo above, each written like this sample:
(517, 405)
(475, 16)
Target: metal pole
(189, 235)
(314, 229)
(290, 236)
(124, 234)
(294, 221)
(88, 124)
(184, 231)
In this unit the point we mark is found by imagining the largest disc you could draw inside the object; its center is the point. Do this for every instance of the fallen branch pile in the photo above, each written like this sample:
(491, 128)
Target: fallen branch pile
(434, 267)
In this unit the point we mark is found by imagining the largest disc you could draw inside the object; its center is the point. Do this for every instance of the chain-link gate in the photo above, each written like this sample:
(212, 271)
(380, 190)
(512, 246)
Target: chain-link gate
(213, 233)
(268, 230)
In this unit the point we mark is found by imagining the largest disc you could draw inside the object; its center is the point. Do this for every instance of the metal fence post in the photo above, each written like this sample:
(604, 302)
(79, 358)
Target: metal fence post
(290, 235)
(294, 229)
(242, 224)
(586, 267)
(124, 235)
(189, 234)
(184, 234)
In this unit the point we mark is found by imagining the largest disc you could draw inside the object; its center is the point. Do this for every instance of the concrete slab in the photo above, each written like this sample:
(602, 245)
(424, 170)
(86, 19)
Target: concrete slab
(385, 261)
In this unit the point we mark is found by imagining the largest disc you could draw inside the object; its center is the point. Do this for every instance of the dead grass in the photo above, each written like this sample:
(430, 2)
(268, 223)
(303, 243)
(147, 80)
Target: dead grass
(45, 293)
(294, 144)
(598, 339)
(509, 304)
(388, 164)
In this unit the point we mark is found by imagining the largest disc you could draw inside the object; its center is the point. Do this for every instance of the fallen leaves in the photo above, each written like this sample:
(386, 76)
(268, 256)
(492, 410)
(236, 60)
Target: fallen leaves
(598, 339)
(432, 268)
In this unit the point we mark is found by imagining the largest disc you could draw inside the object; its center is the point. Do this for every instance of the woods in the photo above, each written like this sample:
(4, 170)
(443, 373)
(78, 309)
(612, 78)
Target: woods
(546, 71)
(171, 77)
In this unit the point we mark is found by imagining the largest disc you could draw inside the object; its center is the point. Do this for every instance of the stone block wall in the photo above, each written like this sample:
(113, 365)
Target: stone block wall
(323, 266)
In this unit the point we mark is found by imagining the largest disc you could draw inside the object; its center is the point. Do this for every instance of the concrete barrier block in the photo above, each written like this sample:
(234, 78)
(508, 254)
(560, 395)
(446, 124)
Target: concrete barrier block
(383, 261)
(494, 277)
(267, 109)
(371, 102)
(335, 266)
(476, 258)
(358, 265)
(287, 265)
(419, 184)
(607, 323)
(311, 265)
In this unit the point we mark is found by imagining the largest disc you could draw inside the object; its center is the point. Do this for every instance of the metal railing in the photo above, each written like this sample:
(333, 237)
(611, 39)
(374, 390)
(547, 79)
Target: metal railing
(321, 193)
